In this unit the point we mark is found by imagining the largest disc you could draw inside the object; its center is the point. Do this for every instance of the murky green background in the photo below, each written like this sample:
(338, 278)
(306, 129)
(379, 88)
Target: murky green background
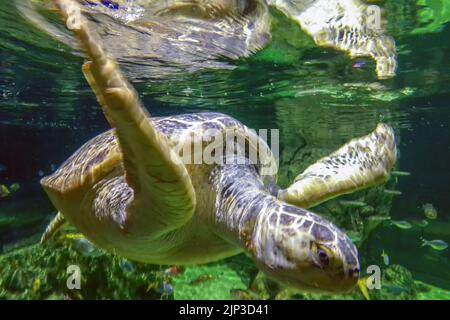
(314, 96)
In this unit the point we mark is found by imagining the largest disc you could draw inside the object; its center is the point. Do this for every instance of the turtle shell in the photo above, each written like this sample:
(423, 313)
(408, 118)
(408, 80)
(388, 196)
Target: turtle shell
(102, 156)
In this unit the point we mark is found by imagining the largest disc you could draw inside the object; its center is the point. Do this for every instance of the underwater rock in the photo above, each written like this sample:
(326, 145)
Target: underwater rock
(201, 279)
(101, 277)
(109, 277)
(238, 294)
(397, 283)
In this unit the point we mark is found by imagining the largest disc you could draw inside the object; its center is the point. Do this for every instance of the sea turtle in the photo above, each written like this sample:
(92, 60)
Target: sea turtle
(200, 33)
(129, 192)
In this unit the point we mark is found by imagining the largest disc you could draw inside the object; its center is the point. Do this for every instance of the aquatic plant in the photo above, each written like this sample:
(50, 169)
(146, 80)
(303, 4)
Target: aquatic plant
(433, 15)
(102, 277)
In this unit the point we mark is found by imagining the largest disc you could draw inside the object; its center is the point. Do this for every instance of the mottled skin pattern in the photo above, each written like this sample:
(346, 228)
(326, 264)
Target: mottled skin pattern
(194, 33)
(360, 163)
(92, 156)
(347, 25)
(128, 191)
(290, 244)
(97, 169)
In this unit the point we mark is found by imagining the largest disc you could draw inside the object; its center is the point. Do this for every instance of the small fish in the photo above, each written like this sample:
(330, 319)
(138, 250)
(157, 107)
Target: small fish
(4, 191)
(3, 168)
(358, 64)
(201, 279)
(356, 204)
(36, 285)
(52, 167)
(4, 221)
(14, 187)
(401, 224)
(393, 192)
(40, 173)
(164, 288)
(71, 236)
(438, 245)
(429, 211)
(421, 223)
(400, 173)
(173, 271)
(86, 248)
(126, 265)
(385, 258)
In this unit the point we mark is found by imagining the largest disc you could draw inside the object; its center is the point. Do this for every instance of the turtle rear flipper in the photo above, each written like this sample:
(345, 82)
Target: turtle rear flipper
(347, 25)
(53, 227)
(361, 163)
(152, 169)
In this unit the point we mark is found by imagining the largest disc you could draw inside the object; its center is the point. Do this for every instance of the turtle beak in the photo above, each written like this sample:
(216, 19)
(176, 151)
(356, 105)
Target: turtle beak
(309, 278)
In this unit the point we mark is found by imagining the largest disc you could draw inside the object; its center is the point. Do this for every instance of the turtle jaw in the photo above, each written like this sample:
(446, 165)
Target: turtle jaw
(310, 278)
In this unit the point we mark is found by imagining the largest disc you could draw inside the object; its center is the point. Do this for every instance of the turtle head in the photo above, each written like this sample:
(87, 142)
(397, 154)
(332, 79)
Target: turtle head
(304, 251)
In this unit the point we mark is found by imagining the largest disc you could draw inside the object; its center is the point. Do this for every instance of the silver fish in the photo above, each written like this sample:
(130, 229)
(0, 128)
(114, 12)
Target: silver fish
(438, 245)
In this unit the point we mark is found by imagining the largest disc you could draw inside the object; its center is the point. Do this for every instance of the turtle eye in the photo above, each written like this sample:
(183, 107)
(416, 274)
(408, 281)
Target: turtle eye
(323, 257)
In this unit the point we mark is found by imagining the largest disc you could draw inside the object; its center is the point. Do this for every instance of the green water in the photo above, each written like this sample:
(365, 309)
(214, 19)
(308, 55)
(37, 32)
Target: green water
(314, 96)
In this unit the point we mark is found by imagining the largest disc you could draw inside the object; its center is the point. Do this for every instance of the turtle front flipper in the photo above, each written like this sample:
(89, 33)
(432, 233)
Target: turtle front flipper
(152, 169)
(361, 163)
(348, 25)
